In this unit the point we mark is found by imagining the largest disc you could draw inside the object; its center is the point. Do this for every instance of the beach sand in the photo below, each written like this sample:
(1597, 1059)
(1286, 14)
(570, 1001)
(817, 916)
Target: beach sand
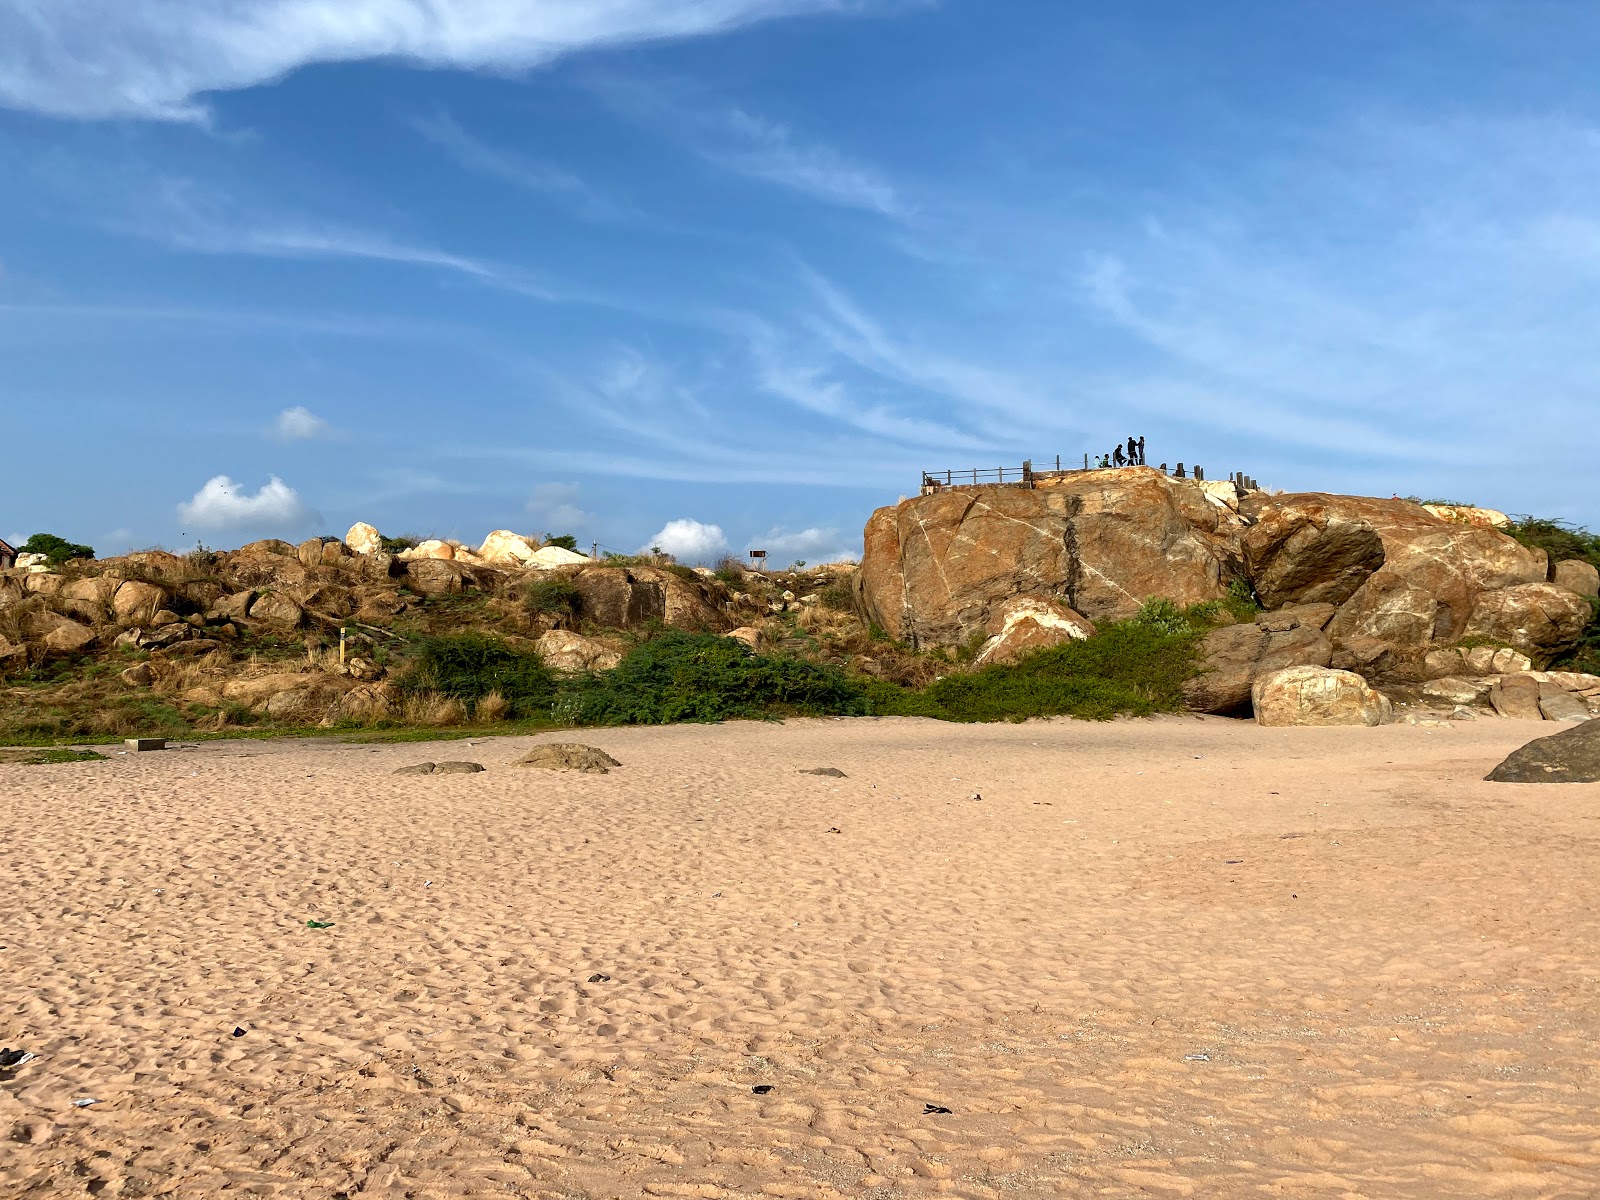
(1157, 958)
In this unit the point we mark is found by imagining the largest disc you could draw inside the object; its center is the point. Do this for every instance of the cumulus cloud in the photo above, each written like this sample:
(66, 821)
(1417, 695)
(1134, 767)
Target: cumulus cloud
(300, 424)
(689, 540)
(555, 506)
(224, 504)
(154, 58)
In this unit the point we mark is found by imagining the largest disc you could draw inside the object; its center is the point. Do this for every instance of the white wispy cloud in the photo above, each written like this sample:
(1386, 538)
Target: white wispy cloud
(300, 424)
(224, 504)
(752, 145)
(522, 172)
(156, 58)
(689, 541)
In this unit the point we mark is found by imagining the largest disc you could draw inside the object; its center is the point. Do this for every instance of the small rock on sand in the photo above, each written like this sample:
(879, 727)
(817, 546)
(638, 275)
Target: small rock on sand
(569, 756)
(831, 771)
(444, 768)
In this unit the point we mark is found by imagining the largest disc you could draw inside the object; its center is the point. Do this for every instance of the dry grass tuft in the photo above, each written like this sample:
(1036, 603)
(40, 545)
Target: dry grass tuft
(491, 708)
(430, 708)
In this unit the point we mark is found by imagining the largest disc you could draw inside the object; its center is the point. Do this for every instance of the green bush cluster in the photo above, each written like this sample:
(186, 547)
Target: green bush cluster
(1558, 539)
(703, 677)
(56, 550)
(470, 666)
(1134, 667)
(556, 597)
(566, 541)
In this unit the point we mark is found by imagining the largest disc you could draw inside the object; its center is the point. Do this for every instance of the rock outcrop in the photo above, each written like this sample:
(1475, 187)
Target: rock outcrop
(1234, 657)
(364, 538)
(1572, 756)
(571, 653)
(938, 568)
(569, 756)
(1399, 575)
(502, 548)
(1533, 617)
(1319, 696)
(1575, 575)
(1397, 585)
(1027, 623)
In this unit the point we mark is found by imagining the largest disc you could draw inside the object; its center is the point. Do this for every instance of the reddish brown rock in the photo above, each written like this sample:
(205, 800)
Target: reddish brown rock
(1533, 617)
(88, 599)
(936, 568)
(136, 602)
(443, 576)
(68, 637)
(1418, 594)
(1517, 697)
(1234, 657)
(630, 597)
(277, 609)
(1025, 624)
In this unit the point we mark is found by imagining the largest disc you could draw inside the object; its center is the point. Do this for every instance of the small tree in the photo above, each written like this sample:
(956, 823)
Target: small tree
(56, 550)
(566, 541)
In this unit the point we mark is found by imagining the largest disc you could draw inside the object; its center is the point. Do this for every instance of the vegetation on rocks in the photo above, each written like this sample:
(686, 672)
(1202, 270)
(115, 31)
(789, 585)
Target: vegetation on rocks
(1562, 540)
(476, 669)
(56, 550)
(702, 677)
(1135, 667)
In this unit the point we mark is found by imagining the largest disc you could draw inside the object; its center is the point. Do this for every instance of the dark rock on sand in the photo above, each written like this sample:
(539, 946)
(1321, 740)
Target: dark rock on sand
(1572, 756)
(444, 768)
(569, 756)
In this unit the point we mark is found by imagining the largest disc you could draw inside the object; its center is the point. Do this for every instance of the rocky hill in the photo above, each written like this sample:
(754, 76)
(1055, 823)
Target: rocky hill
(1439, 608)
(1423, 601)
(240, 637)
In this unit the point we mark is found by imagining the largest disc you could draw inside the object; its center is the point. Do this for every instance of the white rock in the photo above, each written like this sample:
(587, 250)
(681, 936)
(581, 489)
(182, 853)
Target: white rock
(502, 548)
(556, 556)
(432, 548)
(1318, 696)
(364, 538)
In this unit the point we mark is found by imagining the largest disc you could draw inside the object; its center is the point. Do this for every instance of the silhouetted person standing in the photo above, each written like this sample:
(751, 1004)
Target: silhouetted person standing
(1133, 452)
(1142, 463)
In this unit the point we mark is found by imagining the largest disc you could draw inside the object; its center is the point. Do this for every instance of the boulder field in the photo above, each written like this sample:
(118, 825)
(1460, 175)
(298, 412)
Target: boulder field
(1389, 590)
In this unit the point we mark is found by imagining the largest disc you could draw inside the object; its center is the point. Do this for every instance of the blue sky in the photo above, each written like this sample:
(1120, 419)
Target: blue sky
(615, 267)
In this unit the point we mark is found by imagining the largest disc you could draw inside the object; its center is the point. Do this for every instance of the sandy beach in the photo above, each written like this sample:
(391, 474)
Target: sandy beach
(1147, 958)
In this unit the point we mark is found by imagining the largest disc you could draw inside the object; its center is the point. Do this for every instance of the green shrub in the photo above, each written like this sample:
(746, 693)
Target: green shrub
(56, 550)
(1135, 667)
(703, 677)
(566, 541)
(1557, 538)
(469, 666)
(557, 597)
(394, 545)
(837, 596)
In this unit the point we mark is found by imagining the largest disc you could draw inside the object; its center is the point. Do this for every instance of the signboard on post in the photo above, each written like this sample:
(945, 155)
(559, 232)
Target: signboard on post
(758, 558)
